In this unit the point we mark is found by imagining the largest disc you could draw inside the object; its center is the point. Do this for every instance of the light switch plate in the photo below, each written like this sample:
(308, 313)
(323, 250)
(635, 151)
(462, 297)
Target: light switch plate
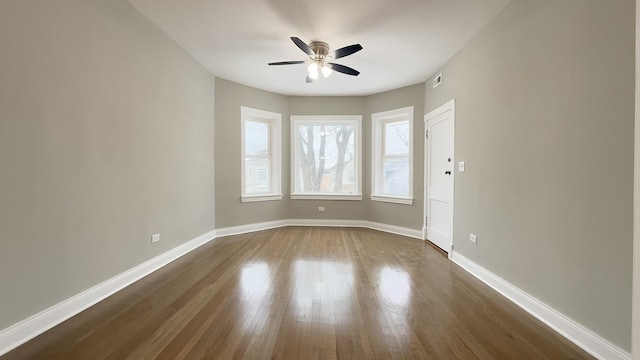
(461, 166)
(473, 238)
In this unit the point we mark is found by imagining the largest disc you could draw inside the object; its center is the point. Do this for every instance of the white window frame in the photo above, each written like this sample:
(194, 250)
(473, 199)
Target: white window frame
(356, 120)
(379, 120)
(275, 150)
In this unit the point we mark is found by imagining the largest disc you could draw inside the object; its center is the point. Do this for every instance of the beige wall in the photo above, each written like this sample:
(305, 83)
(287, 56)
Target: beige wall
(544, 122)
(106, 137)
(230, 211)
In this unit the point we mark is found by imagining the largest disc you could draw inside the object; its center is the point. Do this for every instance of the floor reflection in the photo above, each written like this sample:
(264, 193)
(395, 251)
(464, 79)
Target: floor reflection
(394, 291)
(255, 279)
(395, 285)
(322, 291)
(255, 297)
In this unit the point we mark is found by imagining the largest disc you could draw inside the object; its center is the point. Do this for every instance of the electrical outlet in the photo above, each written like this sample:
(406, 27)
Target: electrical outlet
(473, 238)
(155, 238)
(321, 208)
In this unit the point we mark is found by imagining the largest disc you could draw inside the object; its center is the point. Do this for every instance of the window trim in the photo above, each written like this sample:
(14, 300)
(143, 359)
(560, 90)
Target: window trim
(378, 120)
(357, 193)
(274, 121)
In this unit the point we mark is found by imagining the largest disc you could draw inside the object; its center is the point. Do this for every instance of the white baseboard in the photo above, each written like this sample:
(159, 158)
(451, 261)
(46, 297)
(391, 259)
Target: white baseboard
(326, 222)
(243, 229)
(573, 331)
(35, 325)
(398, 230)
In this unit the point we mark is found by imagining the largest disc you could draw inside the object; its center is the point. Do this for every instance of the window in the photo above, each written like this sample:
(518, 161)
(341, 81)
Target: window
(260, 154)
(392, 156)
(326, 157)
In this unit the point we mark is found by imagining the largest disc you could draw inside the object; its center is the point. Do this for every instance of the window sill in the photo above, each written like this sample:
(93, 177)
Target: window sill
(392, 199)
(325, 197)
(262, 197)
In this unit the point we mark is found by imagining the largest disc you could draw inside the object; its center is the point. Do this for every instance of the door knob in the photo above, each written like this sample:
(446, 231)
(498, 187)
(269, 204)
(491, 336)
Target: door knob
(448, 172)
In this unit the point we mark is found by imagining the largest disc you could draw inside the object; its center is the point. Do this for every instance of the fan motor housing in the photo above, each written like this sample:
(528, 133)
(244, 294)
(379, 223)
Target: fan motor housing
(320, 48)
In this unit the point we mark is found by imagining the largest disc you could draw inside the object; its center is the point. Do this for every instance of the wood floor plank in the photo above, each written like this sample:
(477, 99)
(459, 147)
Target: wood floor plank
(304, 293)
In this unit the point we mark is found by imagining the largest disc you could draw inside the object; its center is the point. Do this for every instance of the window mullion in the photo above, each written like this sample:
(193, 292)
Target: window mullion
(395, 156)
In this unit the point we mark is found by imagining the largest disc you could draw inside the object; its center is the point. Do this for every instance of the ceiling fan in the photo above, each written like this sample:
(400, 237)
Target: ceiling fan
(319, 58)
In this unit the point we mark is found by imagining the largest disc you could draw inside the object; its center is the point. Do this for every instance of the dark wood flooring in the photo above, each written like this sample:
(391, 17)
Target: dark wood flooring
(304, 293)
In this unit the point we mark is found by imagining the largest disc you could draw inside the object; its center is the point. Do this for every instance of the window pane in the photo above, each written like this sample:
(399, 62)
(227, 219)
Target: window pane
(396, 176)
(256, 138)
(396, 138)
(256, 172)
(326, 158)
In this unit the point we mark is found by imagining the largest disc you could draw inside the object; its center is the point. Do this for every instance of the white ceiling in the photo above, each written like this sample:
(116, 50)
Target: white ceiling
(404, 41)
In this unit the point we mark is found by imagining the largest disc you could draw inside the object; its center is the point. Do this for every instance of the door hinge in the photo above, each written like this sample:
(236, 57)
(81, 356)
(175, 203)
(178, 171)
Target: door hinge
(426, 221)
(427, 134)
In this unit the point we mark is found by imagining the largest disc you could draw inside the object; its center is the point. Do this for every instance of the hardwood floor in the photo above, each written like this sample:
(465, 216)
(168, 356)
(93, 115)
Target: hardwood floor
(304, 293)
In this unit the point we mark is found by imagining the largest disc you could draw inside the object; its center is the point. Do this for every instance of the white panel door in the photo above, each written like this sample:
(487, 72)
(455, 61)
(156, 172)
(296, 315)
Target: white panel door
(440, 174)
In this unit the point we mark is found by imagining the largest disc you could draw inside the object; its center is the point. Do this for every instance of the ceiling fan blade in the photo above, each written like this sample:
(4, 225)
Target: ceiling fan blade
(346, 51)
(309, 79)
(302, 45)
(286, 63)
(344, 69)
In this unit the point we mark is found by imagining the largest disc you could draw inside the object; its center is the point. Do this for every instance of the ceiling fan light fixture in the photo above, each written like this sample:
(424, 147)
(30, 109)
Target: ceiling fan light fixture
(320, 59)
(326, 71)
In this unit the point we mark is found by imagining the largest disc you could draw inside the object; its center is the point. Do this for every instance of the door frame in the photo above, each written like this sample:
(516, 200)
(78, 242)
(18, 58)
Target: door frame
(448, 106)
